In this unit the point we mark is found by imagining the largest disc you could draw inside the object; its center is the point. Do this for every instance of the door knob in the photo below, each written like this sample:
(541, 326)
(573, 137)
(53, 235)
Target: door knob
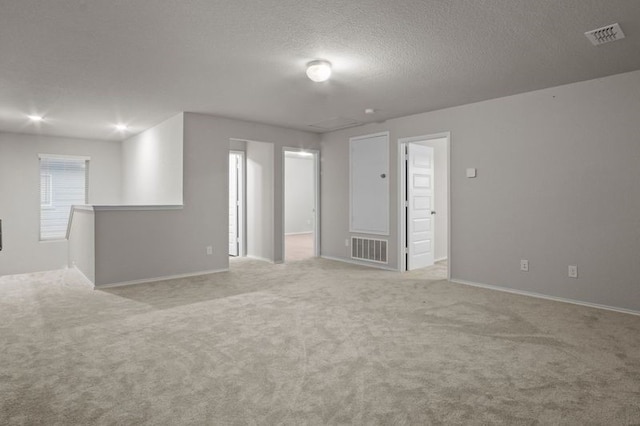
(433, 212)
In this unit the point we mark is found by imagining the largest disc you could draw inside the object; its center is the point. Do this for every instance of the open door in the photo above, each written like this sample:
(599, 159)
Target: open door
(420, 214)
(300, 204)
(235, 203)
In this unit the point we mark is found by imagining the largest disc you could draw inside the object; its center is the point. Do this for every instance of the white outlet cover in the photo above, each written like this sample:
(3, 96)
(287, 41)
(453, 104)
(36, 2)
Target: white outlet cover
(471, 172)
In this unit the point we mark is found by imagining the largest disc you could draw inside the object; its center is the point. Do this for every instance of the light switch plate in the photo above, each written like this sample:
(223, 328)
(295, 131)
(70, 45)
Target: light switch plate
(471, 172)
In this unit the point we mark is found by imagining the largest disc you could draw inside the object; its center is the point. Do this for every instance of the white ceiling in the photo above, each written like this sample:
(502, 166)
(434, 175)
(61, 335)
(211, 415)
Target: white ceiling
(87, 64)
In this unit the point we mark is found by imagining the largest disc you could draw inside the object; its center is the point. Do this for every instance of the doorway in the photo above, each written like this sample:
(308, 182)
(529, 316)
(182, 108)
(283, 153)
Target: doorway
(424, 228)
(236, 203)
(301, 208)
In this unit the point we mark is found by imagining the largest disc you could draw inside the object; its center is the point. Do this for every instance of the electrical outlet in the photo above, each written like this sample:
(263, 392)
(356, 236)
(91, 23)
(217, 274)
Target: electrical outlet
(346, 242)
(573, 271)
(209, 250)
(524, 265)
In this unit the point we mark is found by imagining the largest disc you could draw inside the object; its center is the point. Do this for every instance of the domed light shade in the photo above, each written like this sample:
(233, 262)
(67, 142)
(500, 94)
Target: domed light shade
(319, 71)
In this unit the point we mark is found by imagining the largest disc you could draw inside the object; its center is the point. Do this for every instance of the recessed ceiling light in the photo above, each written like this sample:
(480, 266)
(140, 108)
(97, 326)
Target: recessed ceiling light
(121, 127)
(36, 118)
(319, 71)
(369, 111)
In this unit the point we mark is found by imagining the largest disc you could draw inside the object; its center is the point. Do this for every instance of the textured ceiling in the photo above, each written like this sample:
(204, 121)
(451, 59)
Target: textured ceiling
(87, 64)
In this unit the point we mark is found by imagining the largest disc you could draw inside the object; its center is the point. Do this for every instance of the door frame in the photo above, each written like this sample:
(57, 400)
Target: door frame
(316, 174)
(242, 199)
(402, 188)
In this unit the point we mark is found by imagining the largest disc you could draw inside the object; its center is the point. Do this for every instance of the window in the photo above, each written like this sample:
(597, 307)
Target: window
(45, 190)
(63, 183)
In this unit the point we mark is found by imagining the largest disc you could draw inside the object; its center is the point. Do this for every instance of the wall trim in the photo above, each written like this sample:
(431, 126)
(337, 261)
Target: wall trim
(440, 259)
(162, 278)
(262, 259)
(134, 207)
(547, 297)
(298, 233)
(89, 282)
(355, 262)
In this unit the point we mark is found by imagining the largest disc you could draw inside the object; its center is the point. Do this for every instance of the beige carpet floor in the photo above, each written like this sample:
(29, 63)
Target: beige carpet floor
(298, 247)
(311, 342)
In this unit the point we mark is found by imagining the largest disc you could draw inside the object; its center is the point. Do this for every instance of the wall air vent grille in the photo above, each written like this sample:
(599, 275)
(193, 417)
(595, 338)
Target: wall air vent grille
(604, 35)
(369, 249)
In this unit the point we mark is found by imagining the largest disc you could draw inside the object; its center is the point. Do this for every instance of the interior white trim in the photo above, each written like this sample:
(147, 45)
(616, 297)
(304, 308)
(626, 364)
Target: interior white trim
(298, 233)
(65, 157)
(402, 143)
(89, 282)
(546, 297)
(360, 263)
(139, 207)
(262, 259)
(162, 278)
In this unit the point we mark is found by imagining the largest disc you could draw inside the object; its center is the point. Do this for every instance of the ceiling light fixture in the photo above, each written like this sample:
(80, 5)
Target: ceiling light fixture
(36, 118)
(319, 71)
(121, 127)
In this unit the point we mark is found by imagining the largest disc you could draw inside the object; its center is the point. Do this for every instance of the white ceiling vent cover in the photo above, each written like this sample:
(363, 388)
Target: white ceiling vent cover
(606, 34)
(335, 123)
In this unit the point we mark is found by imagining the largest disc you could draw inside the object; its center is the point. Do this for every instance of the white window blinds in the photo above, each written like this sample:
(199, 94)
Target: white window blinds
(63, 183)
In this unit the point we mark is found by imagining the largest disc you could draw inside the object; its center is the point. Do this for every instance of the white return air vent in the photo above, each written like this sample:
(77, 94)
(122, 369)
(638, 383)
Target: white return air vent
(604, 35)
(369, 249)
(335, 123)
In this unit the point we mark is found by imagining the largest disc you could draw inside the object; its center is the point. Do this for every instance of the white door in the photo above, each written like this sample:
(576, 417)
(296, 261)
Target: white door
(234, 202)
(420, 214)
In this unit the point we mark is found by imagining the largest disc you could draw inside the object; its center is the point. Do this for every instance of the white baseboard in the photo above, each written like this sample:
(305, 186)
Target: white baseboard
(162, 278)
(441, 259)
(298, 233)
(262, 259)
(546, 297)
(91, 283)
(355, 262)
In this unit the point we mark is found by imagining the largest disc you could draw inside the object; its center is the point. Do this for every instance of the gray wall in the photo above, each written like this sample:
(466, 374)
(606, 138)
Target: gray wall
(152, 164)
(237, 145)
(135, 245)
(259, 206)
(299, 195)
(558, 184)
(82, 244)
(20, 195)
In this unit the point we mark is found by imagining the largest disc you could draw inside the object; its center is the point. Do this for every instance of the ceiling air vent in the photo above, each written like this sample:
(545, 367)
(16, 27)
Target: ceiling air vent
(335, 124)
(604, 35)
